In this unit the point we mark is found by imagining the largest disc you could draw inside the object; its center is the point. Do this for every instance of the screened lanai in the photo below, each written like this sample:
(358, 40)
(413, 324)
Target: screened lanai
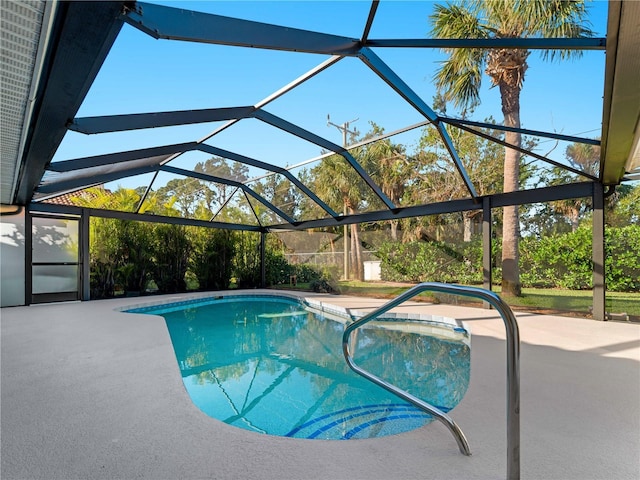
(249, 101)
(319, 125)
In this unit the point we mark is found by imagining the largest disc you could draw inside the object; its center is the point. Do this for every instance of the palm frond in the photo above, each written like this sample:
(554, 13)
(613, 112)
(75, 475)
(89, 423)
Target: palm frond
(556, 19)
(456, 21)
(459, 78)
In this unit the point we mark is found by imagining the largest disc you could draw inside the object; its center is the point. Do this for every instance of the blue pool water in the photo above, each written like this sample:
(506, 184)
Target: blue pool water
(270, 365)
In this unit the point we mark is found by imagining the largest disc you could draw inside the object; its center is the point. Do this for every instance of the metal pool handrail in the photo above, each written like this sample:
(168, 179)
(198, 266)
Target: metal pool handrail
(513, 366)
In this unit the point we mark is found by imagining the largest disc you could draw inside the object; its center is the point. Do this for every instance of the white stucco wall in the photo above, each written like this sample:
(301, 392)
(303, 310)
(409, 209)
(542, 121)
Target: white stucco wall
(12, 257)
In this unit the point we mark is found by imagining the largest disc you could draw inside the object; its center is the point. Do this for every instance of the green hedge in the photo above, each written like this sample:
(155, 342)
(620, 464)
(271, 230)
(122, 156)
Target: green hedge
(623, 258)
(431, 261)
(566, 260)
(128, 255)
(557, 261)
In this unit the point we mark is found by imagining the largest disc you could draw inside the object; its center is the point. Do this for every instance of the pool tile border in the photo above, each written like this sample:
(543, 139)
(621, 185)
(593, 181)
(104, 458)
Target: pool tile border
(336, 312)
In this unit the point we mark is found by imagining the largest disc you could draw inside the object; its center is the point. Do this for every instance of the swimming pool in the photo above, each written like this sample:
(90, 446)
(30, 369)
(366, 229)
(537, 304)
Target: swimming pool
(274, 365)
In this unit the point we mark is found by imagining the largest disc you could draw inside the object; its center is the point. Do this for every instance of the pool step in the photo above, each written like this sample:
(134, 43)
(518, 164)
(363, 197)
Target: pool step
(283, 314)
(363, 422)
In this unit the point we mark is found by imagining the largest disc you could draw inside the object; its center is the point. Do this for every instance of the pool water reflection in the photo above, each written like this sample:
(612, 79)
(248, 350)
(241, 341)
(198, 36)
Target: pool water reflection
(270, 365)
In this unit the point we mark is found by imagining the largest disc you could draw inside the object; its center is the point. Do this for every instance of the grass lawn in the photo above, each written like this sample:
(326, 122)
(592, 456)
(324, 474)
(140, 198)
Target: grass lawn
(534, 299)
(575, 300)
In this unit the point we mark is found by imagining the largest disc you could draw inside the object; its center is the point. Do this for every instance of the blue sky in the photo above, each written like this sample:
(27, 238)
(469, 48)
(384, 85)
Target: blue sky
(142, 74)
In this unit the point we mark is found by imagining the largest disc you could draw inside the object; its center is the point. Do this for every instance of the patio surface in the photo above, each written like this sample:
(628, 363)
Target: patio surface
(88, 392)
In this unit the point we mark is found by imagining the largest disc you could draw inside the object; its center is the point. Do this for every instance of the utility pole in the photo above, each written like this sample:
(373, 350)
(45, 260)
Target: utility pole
(344, 128)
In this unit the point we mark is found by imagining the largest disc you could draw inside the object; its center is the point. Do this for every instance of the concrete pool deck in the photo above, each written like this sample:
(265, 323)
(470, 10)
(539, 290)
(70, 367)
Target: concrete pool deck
(88, 392)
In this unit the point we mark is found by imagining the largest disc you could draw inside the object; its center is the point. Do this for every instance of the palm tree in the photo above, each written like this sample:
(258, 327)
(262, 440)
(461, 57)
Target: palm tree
(338, 184)
(459, 77)
(391, 169)
(584, 157)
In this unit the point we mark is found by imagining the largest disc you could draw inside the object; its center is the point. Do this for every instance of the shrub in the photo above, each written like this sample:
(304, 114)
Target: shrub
(561, 260)
(211, 258)
(102, 279)
(305, 273)
(432, 261)
(321, 285)
(566, 260)
(134, 261)
(623, 258)
(555, 261)
(277, 269)
(171, 249)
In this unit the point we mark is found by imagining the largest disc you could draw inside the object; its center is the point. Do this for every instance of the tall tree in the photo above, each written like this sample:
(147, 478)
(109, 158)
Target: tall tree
(586, 158)
(281, 193)
(625, 210)
(391, 168)
(219, 193)
(337, 183)
(432, 170)
(562, 216)
(459, 77)
(184, 194)
(192, 197)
